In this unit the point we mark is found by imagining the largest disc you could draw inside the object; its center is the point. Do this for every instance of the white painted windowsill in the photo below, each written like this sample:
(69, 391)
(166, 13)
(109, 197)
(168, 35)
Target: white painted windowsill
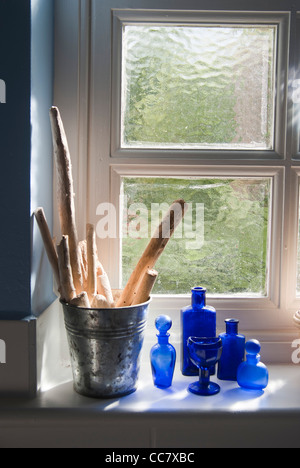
(282, 394)
(155, 418)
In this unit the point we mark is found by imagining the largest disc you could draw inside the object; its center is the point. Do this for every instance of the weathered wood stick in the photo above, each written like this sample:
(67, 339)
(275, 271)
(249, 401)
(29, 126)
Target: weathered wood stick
(154, 250)
(83, 262)
(92, 258)
(100, 302)
(48, 243)
(67, 288)
(145, 288)
(81, 301)
(103, 285)
(65, 193)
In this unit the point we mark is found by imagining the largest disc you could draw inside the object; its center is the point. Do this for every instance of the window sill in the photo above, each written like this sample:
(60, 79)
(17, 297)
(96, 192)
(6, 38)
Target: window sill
(159, 418)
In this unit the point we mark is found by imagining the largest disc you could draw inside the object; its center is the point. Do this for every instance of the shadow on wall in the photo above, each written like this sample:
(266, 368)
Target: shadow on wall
(42, 12)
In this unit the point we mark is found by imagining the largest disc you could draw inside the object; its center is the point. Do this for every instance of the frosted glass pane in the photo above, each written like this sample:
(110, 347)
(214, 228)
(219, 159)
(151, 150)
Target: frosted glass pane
(198, 87)
(223, 243)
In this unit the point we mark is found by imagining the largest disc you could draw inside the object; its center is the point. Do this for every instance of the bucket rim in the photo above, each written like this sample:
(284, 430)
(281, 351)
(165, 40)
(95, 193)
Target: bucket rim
(144, 304)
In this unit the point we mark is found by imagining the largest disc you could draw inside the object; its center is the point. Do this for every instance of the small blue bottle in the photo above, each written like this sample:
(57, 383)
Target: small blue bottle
(163, 354)
(253, 374)
(233, 351)
(198, 320)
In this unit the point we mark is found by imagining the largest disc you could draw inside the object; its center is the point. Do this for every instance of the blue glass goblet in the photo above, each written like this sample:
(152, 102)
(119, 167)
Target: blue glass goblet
(205, 353)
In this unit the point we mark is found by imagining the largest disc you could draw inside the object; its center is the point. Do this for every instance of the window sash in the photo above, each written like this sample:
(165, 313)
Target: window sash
(169, 17)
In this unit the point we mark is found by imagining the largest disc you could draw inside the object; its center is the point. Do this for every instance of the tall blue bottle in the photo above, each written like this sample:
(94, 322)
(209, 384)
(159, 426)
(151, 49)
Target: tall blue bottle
(233, 351)
(163, 354)
(197, 320)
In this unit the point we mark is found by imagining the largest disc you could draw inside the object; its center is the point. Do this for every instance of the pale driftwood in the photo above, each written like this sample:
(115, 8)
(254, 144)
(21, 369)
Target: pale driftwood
(154, 250)
(84, 262)
(145, 288)
(67, 288)
(103, 285)
(92, 258)
(48, 243)
(65, 193)
(100, 302)
(81, 301)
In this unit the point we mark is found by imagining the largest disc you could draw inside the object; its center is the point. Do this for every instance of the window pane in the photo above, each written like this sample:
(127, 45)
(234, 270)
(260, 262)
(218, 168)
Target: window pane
(223, 243)
(198, 87)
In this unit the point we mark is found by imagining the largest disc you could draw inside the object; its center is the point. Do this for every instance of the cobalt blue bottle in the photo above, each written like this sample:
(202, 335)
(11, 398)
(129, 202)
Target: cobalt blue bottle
(198, 320)
(163, 354)
(233, 351)
(253, 374)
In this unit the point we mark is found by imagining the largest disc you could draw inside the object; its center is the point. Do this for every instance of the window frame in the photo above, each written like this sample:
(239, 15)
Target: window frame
(85, 49)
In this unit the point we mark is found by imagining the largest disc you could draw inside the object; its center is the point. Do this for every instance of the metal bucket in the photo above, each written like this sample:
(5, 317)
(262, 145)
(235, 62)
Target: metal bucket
(105, 348)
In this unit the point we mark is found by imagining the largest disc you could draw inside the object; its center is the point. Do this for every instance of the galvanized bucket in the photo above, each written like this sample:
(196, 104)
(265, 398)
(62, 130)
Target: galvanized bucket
(105, 348)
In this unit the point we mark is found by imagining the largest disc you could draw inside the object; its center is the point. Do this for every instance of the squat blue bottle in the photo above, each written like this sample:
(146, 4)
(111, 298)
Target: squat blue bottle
(163, 354)
(198, 320)
(253, 374)
(233, 351)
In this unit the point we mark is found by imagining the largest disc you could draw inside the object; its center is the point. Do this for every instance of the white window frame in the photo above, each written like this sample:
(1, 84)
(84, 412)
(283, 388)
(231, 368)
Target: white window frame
(86, 78)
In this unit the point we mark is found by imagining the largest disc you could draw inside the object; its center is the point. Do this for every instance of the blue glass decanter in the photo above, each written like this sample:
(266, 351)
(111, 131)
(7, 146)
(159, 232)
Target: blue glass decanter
(253, 374)
(233, 351)
(163, 354)
(196, 320)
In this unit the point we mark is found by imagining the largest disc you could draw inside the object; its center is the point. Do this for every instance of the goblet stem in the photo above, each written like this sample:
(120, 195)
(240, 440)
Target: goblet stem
(204, 377)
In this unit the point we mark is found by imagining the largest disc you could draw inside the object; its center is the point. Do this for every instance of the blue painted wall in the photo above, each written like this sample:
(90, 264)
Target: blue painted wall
(15, 145)
(19, 248)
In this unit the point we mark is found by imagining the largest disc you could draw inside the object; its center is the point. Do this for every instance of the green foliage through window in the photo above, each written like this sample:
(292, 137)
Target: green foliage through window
(197, 87)
(234, 256)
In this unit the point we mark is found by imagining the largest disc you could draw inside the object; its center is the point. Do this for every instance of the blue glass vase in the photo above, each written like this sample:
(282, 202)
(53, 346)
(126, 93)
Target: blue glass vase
(196, 320)
(253, 374)
(233, 351)
(163, 354)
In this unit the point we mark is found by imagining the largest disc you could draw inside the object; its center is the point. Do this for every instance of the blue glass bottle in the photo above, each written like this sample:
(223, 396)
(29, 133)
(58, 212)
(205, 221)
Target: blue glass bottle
(163, 354)
(253, 374)
(197, 320)
(233, 351)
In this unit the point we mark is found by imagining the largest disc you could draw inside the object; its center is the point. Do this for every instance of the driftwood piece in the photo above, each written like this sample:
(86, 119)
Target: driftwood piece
(81, 300)
(153, 251)
(84, 263)
(145, 288)
(65, 193)
(103, 285)
(48, 243)
(92, 258)
(100, 302)
(67, 288)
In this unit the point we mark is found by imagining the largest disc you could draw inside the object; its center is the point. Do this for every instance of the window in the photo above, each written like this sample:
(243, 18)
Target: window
(181, 102)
